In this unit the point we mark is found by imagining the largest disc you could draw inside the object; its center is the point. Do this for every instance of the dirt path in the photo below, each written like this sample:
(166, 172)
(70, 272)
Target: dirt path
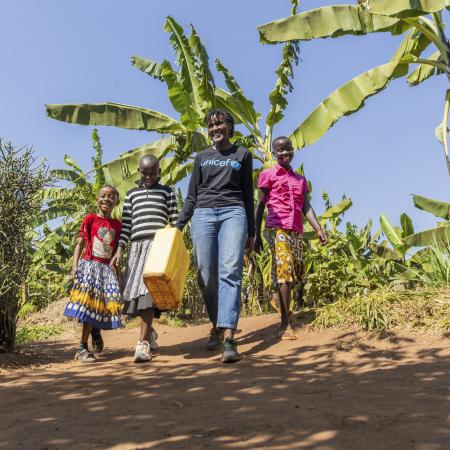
(328, 390)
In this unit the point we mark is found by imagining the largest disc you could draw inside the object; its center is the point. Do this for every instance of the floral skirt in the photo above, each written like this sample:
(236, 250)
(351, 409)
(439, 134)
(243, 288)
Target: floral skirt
(287, 261)
(95, 297)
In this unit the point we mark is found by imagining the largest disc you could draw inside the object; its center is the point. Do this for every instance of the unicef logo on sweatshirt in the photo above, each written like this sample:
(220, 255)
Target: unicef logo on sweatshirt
(235, 165)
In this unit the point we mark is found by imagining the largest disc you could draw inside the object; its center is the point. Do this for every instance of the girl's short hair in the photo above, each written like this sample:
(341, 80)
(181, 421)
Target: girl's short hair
(223, 115)
(111, 187)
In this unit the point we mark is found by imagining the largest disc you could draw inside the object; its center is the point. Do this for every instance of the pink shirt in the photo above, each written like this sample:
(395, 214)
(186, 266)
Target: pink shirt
(285, 199)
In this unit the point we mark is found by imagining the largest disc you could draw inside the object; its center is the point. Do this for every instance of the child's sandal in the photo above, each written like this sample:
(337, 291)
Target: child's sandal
(287, 335)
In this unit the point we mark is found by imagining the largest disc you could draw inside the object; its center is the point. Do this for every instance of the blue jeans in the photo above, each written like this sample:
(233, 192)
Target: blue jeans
(219, 236)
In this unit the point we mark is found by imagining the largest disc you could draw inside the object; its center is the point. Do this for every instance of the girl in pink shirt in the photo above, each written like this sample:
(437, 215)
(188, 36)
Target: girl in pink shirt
(285, 194)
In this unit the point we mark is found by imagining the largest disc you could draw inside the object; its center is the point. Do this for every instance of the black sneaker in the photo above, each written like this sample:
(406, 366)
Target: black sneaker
(215, 339)
(229, 352)
(97, 341)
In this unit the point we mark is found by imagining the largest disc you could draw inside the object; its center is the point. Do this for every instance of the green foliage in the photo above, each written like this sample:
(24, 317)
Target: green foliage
(434, 270)
(344, 267)
(26, 309)
(384, 309)
(30, 333)
(438, 235)
(21, 184)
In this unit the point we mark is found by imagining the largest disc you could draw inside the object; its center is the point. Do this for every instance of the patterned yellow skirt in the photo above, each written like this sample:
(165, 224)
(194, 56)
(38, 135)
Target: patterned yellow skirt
(95, 297)
(287, 262)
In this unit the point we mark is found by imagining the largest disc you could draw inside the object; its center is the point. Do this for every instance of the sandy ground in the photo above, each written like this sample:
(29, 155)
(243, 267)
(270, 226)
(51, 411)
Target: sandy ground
(327, 390)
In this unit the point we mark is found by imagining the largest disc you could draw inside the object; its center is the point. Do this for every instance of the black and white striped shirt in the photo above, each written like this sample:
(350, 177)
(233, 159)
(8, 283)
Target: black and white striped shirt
(146, 210)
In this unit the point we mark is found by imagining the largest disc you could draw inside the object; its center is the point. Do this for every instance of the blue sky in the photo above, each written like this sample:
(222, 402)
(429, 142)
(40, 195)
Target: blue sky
(73, 52)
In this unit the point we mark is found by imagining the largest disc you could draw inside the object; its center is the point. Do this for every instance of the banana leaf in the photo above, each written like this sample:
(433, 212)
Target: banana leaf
(351, 97)
(283, 86)
(344, 101)
(412, 46)
(127, 163)
(115, 114)
(57, 193)
(421, 256)
(337, 209)
(237, 99)
(328, 21)
(147, 66)
(407, 225)
(439, 235)
(392, 233)
(435, 207)
(70, 162)
(207, 85)
(50, 241)
(405, 8)
(442, 129)
(186, 61)
(180, 98)
(385, 252)
(69, 175)
(424, 71)
(172, 171)
(54, 212)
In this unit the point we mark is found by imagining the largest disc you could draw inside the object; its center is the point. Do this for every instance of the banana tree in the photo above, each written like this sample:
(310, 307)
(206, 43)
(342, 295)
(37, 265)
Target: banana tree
(437, 235)
(421, 22)
(192, 92)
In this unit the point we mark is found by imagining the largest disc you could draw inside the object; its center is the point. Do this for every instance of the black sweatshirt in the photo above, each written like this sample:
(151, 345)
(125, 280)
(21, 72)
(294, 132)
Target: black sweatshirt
(221, 178)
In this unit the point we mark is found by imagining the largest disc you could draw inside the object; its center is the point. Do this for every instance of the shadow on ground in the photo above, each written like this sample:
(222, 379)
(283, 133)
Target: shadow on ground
(310, 396)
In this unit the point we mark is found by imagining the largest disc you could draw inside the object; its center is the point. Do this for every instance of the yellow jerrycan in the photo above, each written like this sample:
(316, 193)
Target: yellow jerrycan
(166, 268)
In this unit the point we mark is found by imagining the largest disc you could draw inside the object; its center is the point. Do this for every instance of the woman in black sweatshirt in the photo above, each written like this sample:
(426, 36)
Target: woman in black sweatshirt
(220, 202)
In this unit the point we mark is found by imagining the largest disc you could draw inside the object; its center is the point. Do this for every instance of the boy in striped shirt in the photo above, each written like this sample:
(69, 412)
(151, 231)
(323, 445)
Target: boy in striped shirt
(147, 208)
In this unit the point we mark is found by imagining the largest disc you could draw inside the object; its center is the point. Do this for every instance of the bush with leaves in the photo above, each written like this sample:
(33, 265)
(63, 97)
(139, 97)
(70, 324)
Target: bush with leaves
(21, 184)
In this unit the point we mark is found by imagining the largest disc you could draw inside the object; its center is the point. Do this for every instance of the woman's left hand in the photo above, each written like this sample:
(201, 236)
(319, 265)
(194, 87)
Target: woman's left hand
(250, 245)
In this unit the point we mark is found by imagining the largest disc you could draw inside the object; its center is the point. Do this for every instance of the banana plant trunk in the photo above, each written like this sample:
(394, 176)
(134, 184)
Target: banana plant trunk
(8, 314)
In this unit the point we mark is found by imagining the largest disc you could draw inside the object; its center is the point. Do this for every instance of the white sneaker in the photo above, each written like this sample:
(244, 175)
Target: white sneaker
(142, 352)
(153, 344)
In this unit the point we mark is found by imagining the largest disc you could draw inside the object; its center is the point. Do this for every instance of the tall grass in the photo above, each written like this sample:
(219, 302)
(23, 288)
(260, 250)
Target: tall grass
(384, 309)
(435, 267)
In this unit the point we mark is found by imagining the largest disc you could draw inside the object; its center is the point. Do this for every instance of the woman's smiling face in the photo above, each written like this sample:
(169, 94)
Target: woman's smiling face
(219, 130)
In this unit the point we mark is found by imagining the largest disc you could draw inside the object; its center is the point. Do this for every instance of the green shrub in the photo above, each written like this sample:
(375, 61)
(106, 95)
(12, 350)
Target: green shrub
(31, 333)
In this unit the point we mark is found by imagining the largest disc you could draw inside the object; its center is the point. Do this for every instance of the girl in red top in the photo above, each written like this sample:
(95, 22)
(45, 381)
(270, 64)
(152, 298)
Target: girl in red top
(95, 299)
